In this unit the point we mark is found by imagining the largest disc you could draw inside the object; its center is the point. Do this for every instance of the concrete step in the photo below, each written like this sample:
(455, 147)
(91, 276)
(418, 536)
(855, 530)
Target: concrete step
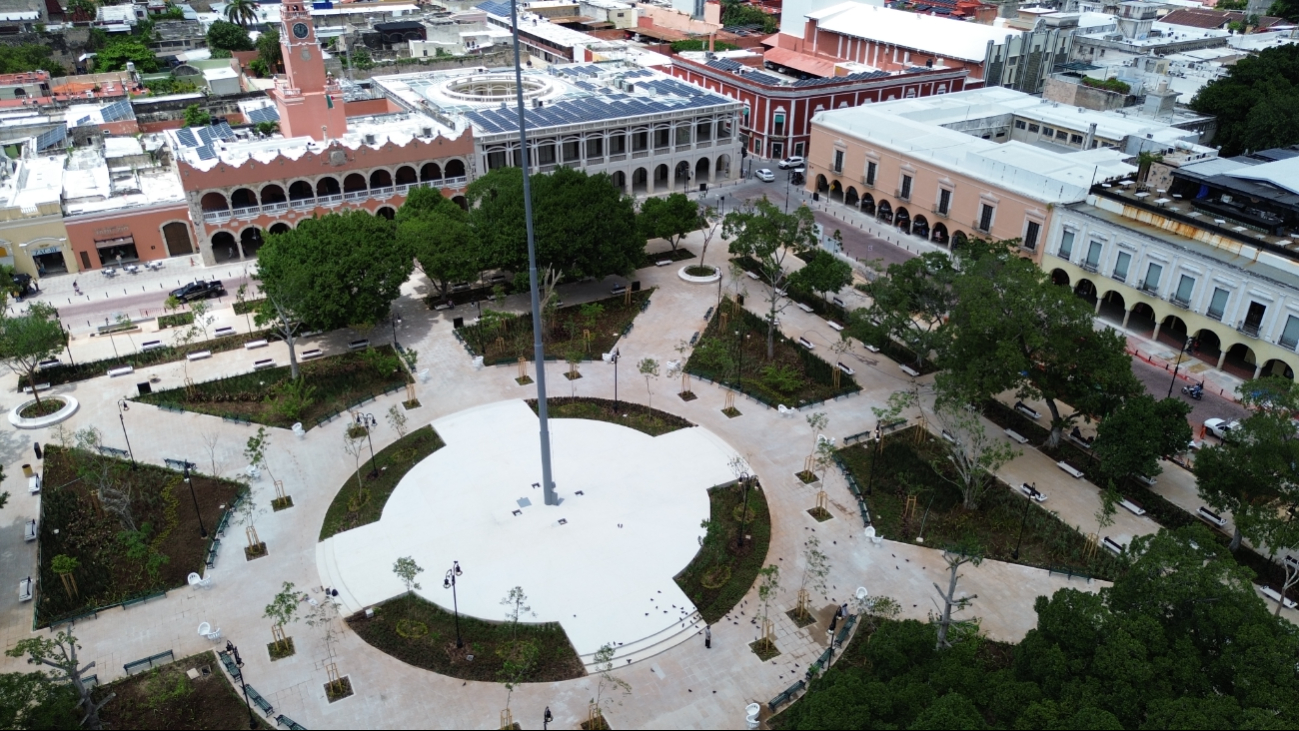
(678, 632)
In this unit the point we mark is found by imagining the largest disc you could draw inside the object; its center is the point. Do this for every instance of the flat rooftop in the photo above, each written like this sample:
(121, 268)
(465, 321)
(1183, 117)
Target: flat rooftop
(928, 33)
(32, 182)
(89, 186)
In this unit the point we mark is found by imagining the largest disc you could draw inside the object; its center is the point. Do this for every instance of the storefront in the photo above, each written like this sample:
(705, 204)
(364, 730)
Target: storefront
(49, 260)
(116, 251)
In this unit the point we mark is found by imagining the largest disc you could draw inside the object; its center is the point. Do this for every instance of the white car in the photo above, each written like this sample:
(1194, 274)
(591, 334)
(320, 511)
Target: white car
(764, 175)
(791, 162)
(1220, 427)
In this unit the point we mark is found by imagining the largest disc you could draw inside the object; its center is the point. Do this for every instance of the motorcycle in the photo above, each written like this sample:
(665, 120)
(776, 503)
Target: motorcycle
(1196, 392)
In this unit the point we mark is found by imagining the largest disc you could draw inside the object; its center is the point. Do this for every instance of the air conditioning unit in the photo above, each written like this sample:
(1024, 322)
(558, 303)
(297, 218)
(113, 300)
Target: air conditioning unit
(426, 132)
(369, 139)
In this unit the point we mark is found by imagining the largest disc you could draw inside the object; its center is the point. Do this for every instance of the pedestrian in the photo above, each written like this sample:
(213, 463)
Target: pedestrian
(843, 611)
(708, 637)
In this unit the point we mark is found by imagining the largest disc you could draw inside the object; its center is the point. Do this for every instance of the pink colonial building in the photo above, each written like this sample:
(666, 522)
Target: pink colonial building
(239, 185)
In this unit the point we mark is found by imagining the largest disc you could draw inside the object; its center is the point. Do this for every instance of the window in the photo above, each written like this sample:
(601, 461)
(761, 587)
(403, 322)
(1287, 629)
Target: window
(1076, 139)
(1047, 132)
(1032, 128)
(1066, 245)
(838, 161)
(870, 173)
(1030, 235)
(1019, 124)
(779, 127)
(1061, 134)
(905, 192)
(1153, 273)
(985, 217)
(1093, 261)
(944, 201)
(777, 150)
(1121, 266)
(1184, 288)
(1218, 305)
(798, 149)
(1290, 336)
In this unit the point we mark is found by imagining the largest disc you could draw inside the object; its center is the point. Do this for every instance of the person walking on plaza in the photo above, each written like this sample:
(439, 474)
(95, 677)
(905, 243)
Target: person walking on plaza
(708, 637)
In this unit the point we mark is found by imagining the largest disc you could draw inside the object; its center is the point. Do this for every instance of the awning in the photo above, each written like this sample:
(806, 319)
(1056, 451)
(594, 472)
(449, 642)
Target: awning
(119, 241)
(800, 62)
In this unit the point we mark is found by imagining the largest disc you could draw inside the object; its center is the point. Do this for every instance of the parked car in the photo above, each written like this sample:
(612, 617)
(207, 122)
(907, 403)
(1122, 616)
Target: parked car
(1220, 428)
(791, 162)
(199, 290)
(764, 175)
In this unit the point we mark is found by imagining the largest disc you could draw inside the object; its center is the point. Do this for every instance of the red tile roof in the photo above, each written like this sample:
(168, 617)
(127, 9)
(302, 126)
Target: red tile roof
(1205, 18)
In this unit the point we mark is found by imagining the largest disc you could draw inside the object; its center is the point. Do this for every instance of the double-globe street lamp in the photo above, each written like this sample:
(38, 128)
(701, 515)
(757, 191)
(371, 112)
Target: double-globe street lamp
(122, 408)
(450, 583)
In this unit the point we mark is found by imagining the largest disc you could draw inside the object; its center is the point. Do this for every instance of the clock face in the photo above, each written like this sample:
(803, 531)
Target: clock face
(300, 30)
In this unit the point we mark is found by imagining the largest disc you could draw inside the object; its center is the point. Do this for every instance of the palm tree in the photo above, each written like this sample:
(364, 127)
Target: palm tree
(241, 12)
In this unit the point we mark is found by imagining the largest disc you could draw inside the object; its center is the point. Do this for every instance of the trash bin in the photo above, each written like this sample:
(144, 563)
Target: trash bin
(751, 712)
(298, 430)
(27, 471)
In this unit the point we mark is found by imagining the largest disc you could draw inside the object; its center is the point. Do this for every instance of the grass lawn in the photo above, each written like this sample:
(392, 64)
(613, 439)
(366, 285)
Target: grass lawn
(905, 469)
(394, 462)
(505, 340)
(109, 570)
(166, 698)
(705, 580)
(265, 397)
(641, 418)
(420, 633)
(794, 377)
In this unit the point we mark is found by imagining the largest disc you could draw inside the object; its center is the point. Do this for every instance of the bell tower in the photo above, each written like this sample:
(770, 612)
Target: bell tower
(309, 101)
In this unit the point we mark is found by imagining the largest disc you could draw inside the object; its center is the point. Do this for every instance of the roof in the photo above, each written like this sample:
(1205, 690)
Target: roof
(800, 62)
(928, 33)
(1206, 18)
(399, 25)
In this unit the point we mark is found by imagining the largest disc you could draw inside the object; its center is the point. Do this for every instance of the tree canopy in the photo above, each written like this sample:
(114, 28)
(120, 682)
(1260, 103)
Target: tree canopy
(1132, 439)
(823, 275)
(762, 232)
(226, 36)
(120, 50)
(27, 57)
(1257, 102)
(910, 304)
(28, 339)
(439, 235)
(669, 218)
(37, 701)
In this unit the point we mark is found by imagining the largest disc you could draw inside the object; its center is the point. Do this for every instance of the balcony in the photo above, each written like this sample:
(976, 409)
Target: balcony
(1289, 345)
(1119, 276)
(937, 211)
(902, 195)
(981, 228)
(1214, 315)
(1249, 329)
(216, 216)
(1150, 288)
(1090, 266)
(867, 182)
(1185, 304)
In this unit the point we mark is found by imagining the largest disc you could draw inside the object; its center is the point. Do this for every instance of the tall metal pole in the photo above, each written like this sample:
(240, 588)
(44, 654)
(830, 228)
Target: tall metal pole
(1028, 500)
(539, 354)
(122, 408)
(1176, 366)
(450, 583)
(744, 511)
(201, 529)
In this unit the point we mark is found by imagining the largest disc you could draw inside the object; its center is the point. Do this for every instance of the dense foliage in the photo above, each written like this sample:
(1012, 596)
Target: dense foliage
(227, 36)
(27, 57)
(1256, 103)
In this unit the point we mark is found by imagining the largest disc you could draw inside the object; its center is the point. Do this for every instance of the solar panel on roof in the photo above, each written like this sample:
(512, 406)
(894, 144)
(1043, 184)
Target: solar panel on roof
(116, 111)
(495, 7)
(265, 114)
(206, 153)
(79, 122)
(49, 139)
(186, 137)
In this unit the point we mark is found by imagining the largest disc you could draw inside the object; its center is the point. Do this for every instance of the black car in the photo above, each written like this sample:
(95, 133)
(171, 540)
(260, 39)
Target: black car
(199, 291)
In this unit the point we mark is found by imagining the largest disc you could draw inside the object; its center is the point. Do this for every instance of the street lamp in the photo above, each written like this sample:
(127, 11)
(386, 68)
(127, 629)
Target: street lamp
(613, 358)
(122, 408)
(546, 718)
(870, 477)
(744, 511)
(1177, 365)
(450, 583)
(395, 320)
(1023, 519)
(239, 663)
(368, 422)
(201, 529)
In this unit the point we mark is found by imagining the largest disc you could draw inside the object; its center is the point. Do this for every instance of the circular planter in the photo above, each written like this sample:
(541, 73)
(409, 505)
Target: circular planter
(70, 407)
(716, 275)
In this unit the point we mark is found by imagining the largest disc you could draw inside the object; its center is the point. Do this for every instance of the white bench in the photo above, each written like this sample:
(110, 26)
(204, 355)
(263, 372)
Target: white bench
(255, 344)
(51, 363)
(1032, 493)
(263, 364)
(781, 292)
(806, 343)
(662, 262)
(1132, 507)
(311, 354)
(1147, 481)
(29, 530)
(358, 345)
(948, 436)
(39, 387)
(125, 370)
(34, 484)
(1026, 410)
(151, 345)
(199, 355)
(834, 325)
(25, 590)
(619, 289)
(752, 275)
(442, 306)
(844, 367)
(871, 348)
(1113, 545)
(804, 307)
(1211, 517)
(222, 332)
(1017, 436)
(1275, 596)
(909, 370)
(837, 301)
(1069, 470)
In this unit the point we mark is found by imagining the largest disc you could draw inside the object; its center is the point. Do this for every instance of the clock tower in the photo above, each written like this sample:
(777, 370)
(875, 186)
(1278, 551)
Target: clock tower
(309, 101)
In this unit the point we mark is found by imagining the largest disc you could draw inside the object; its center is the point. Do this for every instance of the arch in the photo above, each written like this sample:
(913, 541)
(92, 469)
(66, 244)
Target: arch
(723, 167)
(884, 212)
(250, 241)
(1141, 318)
(429, 172)
(301, 190)
(640, 180)
(920, 227)
(176, 236)
(380, 179)
(1060, 277)
(1207, 346)
(836, 191)
(243, 198)
(701, 170)
(354, 183)
(214, 202)
(660, 176)
(405, 175)
(619, 179)
(461, 201)
(386, 212)
(902, 219)
(1112, 307)
(959, 240)
(822, 185)
(224, 246)
(272, 194)
(455, 168)
(850, 197)
(1278, 368)
(280, 228)
(327, 186)
(1240, 360)
(1086, 290)
(681, 174)
(868, 204)
(1172, 330)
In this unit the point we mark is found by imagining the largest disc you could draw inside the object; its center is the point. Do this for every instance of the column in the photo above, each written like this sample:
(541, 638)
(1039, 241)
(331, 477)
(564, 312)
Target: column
(1222, 358)
(1126, 315)
(1097, 311)
(1258, 369)
(1155, 335)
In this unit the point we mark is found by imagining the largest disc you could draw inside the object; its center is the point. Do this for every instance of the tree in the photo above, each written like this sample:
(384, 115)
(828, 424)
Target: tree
(766, 235)
(268, 48)
(1132, 439)
(973, 454)
(105, 476)
(1014, 329)
(255, 450)
(910, 305)
(196, 116)
(649, 368)
(823, 275)
(36, 701)
(122, 50)
(816, 566)
(406, 569)
(1288, 9)
(669, 218)
(397, 420)
(82, 10)
(603, 663)
(60, 654)
(29, 339)
(955, 558)
(242, 13)
(768, 586)
(28, 57)
(226, 36)
(344, 269)
(283, 610)
(439, 235)
(1255, 102)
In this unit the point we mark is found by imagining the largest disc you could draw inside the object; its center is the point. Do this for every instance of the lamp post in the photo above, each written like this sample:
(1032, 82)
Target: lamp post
(1177, 365)
(395, 320)
(744, 511)
(201, 529)
(546, 718)
(369, 422)
(870, 477)
(1023, 519)
(450, 583)
(239, 663)
(122, 408)
(613, 358)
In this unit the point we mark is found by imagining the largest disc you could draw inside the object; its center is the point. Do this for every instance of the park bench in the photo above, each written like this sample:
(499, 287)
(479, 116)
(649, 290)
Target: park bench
(34, 484)
(844, 367)
(804, 307)
(709, 314)
(1275, 596)
(1027, 410)
(151, 345)
(47, 364)
(842, 637)
(1112, 545)
(255, 344)
(25, 590)
(210, 561)
(753, 276)
(221, 526)
(806, 343)
(443, 306)
(179, 464)
(1132, 507)
(113, 452)
(1211, 517)
(199, 355)
(1032, 493)
(1070, 470)
(289, 723)
(229, 662)
(263, 364)
(871, 348)
(312, 354)
(786, 695)
(222, 332)
(949, 437)
(358, 345)
(259, 701)
(29, 530)
(662, 262)
(619, 289)
(834, 325)
(892, 426)
(121, 371)
(1147, 481)
(909, 370)
(837, 301)
(694, 338)
(854, 438)
(1016, 436)
(39, 387)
